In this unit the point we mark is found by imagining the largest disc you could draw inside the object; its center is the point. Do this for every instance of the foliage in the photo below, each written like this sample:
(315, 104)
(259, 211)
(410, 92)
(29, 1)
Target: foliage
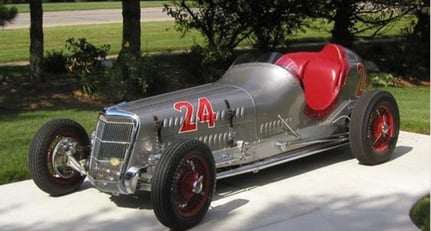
(128, 78)
(55, 62)
(381, 80)
(7, 14)
(211, 19)
(352, 18)
(209, 64)
(415, 52)
(220, 22)
(273, 22)
(86, 62)
(420, 213)
(225, 24)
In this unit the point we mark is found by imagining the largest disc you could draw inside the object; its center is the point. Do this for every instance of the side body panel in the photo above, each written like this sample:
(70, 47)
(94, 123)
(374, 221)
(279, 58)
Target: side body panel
(256, 94)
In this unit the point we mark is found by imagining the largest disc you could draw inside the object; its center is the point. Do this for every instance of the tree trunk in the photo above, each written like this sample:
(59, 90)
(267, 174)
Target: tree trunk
(36, 41)
(131, 27)
(422, 27)
(341, 34)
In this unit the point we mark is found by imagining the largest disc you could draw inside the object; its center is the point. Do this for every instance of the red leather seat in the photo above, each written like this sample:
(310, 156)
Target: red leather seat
(323, 74)
(296, 62)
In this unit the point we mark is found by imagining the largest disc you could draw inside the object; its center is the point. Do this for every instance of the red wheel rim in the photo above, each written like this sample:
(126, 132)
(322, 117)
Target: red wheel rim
(191, 185)
(381, 128)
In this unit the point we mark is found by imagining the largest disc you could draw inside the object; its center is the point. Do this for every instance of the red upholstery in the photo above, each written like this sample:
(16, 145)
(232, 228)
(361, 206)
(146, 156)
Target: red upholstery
(323, 74)
(296, 61)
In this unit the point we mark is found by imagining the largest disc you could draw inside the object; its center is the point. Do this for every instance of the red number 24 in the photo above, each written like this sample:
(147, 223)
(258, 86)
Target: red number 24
(205, 114)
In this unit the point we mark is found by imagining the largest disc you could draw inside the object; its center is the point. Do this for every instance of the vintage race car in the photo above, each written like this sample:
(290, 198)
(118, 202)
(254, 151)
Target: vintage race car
(274, 109)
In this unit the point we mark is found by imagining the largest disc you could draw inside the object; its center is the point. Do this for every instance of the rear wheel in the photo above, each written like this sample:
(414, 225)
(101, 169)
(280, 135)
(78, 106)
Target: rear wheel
(374, 127)
(183, 184)
(48, 156)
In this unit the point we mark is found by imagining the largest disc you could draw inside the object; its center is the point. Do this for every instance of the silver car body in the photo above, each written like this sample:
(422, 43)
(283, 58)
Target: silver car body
(254, 117)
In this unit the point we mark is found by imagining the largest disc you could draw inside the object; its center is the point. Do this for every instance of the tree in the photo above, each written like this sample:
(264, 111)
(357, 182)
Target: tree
(36, 41)
(131, 43)
(7, 14)
(353, 17)
(416, 50)
(343, 22)
(221, 22)
(422, 27)
(128, 68)
(272, 22)
(226, 23)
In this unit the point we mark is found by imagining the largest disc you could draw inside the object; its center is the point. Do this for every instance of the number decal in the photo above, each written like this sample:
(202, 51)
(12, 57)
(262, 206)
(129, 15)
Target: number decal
(205, 114)
(362, 84)
(188, 124)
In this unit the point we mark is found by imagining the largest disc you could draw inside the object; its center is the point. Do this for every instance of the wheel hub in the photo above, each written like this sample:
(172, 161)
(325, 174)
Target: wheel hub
(198, 186)
(381, 128)
(66, 146)
(191, 190)
(385, 129)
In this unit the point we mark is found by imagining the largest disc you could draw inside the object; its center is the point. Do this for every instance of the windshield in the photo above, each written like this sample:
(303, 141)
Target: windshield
(270, 57)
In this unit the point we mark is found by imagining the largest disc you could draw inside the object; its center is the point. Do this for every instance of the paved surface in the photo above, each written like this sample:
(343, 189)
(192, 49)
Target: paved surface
(328, 191)
(82, 17)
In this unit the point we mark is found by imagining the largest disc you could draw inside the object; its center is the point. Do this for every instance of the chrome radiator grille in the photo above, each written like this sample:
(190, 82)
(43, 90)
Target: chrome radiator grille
(111, 142)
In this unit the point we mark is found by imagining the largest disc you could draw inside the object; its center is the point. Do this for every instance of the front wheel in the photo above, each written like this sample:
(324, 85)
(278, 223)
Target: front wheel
(374, 127)
(183, 184)
(48, 156)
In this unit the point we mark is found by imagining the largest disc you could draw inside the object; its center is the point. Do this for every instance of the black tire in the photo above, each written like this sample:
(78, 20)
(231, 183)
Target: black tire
(374, 127)
(183, 184)
(47, 156)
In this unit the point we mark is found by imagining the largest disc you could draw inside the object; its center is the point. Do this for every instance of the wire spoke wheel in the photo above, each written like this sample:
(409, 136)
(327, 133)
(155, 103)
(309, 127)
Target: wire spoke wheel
(49, 152)
(191, 185)
(374, 127)
(381, 128)
(183, 184)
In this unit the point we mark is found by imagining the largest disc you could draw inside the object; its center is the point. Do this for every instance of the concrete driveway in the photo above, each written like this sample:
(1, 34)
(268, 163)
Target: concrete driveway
(328, 191)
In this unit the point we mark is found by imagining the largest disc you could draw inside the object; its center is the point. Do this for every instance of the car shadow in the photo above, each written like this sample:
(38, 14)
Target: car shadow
(400, 151)
(234, 185)
(140, 200)
(237, 184)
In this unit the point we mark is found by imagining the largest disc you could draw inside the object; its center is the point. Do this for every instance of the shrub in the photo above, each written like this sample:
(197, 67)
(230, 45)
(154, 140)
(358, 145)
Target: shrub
(55, 62)
(211, 64)
(87, 62)
(415, 57)
(381, 80)
(132, 78)
(420, 213)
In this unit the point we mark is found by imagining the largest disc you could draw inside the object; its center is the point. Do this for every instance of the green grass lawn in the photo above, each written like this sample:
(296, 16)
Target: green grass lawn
(66, 6)
(17, 130)
(156, 36)
(414, 105)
